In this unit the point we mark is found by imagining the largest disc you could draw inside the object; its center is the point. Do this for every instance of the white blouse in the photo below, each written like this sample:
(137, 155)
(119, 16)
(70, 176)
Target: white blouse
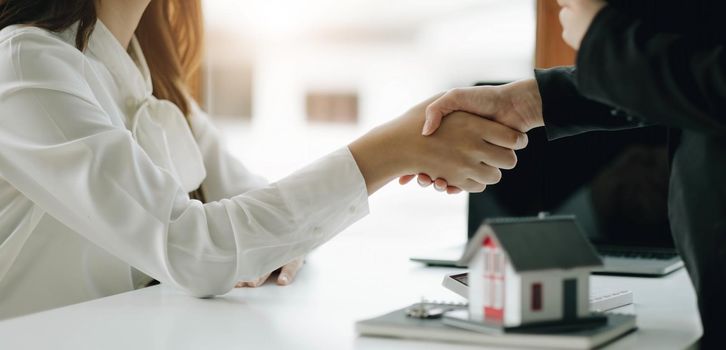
(94, 176)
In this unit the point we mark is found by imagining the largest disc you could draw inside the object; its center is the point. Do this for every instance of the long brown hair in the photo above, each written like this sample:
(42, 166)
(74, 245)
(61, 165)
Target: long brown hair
(170, 34)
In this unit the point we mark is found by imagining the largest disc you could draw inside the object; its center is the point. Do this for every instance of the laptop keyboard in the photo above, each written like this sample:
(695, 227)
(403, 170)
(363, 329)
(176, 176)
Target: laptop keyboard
(638, 255)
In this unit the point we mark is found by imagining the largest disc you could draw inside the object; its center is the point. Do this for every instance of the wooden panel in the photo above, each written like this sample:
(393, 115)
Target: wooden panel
(551, 50)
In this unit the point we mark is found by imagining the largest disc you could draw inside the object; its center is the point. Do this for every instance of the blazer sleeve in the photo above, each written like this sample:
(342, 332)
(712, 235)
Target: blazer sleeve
(566, 112)
(669, 79)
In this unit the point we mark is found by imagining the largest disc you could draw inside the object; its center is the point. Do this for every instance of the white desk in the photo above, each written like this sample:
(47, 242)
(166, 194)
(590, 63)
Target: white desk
(362, 273)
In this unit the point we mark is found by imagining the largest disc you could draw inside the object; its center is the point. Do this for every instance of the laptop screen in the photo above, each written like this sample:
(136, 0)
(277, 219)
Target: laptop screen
(615, 183)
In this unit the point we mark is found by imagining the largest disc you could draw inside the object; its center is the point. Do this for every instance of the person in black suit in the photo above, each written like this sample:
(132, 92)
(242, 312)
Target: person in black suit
(638, 63)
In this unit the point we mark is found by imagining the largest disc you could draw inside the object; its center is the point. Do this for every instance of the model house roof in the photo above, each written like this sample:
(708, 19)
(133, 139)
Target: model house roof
(539, 243)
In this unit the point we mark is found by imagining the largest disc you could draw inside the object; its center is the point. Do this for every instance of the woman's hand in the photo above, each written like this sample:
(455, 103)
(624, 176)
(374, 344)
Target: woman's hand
(576, 17)
(467, 150)
(286, 275)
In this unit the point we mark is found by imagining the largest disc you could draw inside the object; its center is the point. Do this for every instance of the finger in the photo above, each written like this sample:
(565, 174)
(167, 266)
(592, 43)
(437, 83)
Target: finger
(432, 122)
(405, 179)
(480, 100)
(424, 180)
(501, 135)
(496, 156)
(486, 174)
(289, 271)
(256, 282)
(440, 185)
(260, 281)
(453, 190)
(243, 284)
(436, 111)
(472, 186)
(453, 100)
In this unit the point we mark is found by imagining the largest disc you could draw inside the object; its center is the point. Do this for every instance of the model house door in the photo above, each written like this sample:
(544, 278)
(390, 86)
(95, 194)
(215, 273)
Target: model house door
(569, 302)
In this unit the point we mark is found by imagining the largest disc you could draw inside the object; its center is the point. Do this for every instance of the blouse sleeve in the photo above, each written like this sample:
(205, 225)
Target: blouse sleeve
(58, 148)
(226, 175)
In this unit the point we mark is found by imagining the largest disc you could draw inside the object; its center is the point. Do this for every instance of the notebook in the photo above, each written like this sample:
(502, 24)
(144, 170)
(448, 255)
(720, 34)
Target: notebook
(397, 324)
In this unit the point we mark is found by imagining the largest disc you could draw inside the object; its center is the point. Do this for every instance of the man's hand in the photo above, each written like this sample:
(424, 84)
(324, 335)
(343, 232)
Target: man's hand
(576, 17)
(517, 105)
(285, 277)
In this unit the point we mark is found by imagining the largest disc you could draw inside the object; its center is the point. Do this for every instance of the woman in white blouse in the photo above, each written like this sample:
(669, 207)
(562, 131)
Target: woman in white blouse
(109, 172)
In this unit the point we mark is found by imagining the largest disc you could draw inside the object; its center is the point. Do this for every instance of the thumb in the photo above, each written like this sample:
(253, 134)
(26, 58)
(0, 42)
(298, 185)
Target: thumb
(435, 112)
(459, 99)
(288, 272)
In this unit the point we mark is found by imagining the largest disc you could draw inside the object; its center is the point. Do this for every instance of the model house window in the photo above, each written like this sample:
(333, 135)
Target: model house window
(496, 263)
(536, 297)
(500, 263)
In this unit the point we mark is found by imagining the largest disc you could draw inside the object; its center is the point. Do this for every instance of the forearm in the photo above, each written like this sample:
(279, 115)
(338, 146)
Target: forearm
(566, 112)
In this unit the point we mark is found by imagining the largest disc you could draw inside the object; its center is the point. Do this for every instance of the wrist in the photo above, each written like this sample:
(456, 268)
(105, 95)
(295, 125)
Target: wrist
(378, 158)
(525, 98)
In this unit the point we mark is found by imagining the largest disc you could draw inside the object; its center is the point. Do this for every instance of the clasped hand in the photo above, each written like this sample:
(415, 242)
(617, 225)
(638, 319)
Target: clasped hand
(467, 151)
(512, 107)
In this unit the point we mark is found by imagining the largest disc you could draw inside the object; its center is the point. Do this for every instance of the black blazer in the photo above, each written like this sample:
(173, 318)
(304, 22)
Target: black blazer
(661, 62)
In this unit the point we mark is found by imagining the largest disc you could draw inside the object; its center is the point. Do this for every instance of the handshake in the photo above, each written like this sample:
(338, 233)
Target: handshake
(516, 107)
(469, 134)
(456, 141)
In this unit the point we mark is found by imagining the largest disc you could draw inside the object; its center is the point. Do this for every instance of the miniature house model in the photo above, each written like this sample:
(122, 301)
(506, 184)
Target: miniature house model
(527, 271)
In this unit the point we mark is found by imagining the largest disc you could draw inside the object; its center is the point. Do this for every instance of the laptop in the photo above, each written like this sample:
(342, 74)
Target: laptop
(614, 183)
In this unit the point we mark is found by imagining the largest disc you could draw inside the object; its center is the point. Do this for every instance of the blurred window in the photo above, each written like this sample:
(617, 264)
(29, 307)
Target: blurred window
(332, 107)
